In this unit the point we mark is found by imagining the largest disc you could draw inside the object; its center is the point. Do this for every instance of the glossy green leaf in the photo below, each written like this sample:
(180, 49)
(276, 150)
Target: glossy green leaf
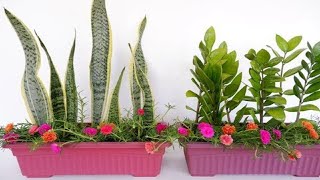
(282, 43)
(274, 61)
(314, 87)
(305, 107)
(278, 100)
(273, 90)
(294, 42)
(277, 113)
(190, 93)
(312, 97)
(292, 71)
(305, 65)
(216, 55)
(298, 83)
(314, 80)
(316, 51)
(232, 88)
(315, 73)
(274, 51)
(262, 57)
(254, 75)
(288, 92)
(204, 50)
(296, 91)
(293, 55)
(271, 71)
(210, 38)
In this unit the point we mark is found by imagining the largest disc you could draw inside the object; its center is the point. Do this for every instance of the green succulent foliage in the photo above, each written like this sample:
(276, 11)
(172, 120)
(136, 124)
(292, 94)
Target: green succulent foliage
(217, 79)
(140, 88)
(307, 82)
(114, 107)
(56, 91)
(100, 65)
(33, 90)
(264, 78)
(71, 88)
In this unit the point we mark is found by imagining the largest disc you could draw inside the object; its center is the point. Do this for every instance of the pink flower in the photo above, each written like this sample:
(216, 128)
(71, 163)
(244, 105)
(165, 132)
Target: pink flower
(140, 112)
(203, 125)
(44, 128)
(55, 148)
(107, 128)
(265, 137)
(277, 133)
(183, 131)
(33, 129)
(11, 138)
(150, 147)
(226, 139)
(161, 126)
(294, 155)
(90, 131)
(207, 132)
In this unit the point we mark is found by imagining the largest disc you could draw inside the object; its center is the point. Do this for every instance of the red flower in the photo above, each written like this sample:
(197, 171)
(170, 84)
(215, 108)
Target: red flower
(140, 112)
(107, 129)
(11, 137)
(294, 155)
(161, 126)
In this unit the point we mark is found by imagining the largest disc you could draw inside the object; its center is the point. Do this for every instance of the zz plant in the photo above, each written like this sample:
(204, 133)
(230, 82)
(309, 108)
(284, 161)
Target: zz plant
(218, 81)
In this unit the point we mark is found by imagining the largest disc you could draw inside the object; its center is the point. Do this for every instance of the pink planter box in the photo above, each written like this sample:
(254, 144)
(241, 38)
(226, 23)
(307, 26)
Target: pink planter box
(205, 159)
(89, 159)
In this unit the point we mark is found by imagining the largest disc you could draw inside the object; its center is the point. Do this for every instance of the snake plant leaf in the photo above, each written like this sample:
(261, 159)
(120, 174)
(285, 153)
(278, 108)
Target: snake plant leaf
(100, 65)
(138, 55)
(114, 108)
(135, 88)
(71, 88)
(56, 90)
(33, 90)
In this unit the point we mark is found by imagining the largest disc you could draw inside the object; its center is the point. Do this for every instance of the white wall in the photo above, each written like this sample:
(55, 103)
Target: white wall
(173, 32)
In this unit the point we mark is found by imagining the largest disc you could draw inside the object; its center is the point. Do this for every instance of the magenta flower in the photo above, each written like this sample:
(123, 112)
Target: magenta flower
(183, 131)
(11, 138)
(207, 132)
(33, 129)
(90, 131)
(277, 133)
(161, 126)
(44, 128)
(203, 125)
(265, 137)
(55, 148)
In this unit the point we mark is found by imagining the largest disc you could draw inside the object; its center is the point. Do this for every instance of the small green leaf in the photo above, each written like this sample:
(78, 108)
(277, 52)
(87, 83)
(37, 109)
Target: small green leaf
(314, 96)
(292, 71)
(298, 83)
(288, 92)
(316, 51)
(282, 44)
(314, 87)
(315, 80)
(262, 57)
(232, 88)
(255, 66)
(273, 90)
(296, 91)
(294, 42)
(278, 100)
(190, 108)
(216, 55)
(190, 93)
(315, 73)
(274, 51)
(272, 78)
(251, 54)
(301, 75)
(271, 71)
(204, 50)
(277, 113)
(274, 61)
(210, 38)
(293, 55)
(254, 75)
(305, 107)
(305, 65)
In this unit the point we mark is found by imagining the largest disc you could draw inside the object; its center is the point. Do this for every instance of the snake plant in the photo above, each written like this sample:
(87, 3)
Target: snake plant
(33, 90)
(140, 88)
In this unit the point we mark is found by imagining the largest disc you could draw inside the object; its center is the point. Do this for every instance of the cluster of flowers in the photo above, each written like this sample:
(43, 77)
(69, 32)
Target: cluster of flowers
(207, 131)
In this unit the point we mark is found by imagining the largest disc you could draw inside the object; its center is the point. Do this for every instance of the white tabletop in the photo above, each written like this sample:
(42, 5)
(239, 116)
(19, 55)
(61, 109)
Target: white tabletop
(173, 167)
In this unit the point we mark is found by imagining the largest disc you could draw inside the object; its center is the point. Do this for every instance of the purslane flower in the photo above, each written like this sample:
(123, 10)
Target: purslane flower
(161, 126)
(183, 131)
(44, 128)
(90, 131)
(226, 139)
(265, 137)
(49, 136)
(55, 148)
(33, 129)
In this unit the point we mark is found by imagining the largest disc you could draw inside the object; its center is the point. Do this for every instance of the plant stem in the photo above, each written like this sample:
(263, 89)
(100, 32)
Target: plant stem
(227, 111)
(301, 97)
(198, 108)
(261, 99)
(281, 71)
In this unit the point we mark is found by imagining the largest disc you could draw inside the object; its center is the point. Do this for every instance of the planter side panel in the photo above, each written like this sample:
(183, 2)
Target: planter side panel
(88, 161)
(209, 161)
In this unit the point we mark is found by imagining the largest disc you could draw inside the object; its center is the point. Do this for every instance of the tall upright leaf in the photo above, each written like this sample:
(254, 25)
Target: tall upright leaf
(139, 79)
(56, 90)
(114, 108)
(33, 91)
(71, 88)
(136, 93)
(101, 58)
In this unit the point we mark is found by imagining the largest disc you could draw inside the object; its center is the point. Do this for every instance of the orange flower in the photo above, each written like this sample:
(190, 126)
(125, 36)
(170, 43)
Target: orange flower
(313, 134)
(228, 129)
(49, 136)
(8, 128)
(252, 126)
(307, 125)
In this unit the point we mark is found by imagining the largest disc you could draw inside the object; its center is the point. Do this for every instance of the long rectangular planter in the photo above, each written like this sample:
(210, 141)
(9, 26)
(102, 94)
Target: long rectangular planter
(204, 159)
(89, 159)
